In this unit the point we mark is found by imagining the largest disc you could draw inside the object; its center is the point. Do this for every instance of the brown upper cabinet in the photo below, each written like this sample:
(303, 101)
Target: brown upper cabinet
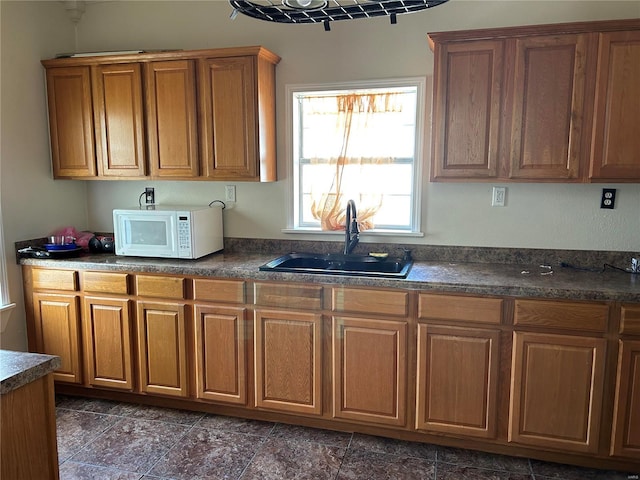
(200, 114)
(518, 104)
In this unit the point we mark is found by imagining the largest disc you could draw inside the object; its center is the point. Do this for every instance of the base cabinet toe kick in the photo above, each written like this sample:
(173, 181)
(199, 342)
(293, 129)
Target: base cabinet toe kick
(551, 379)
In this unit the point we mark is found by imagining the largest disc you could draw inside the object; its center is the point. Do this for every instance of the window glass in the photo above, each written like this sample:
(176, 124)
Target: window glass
(357, 143)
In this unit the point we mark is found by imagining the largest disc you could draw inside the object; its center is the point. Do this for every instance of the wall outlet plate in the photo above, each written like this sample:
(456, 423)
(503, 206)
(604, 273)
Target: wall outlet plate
(498, 196)
(608, 199)
(149, 196)
(230, 193)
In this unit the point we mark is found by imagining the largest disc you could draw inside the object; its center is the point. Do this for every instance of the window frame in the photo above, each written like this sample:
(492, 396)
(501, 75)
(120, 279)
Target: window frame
(291, 147)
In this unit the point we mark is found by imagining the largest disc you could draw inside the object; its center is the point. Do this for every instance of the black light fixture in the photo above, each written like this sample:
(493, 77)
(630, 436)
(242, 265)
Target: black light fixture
(325, 11)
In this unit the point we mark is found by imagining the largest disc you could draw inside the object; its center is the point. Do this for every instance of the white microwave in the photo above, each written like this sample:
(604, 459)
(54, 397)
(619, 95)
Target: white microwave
(168, 231)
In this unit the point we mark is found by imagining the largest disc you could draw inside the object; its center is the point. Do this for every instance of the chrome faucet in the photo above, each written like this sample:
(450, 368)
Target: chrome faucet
(352, 235)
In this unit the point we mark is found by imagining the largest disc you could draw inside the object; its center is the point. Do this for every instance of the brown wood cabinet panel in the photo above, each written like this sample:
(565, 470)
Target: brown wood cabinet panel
(227, 291)
(172, 118)
(616, 131)
(584, 316)
(630, 319)
(105, 282)
(298, 296)
(288, 361)
(460, 308)
(119, 120)
(229, 123)
(28, 431)
(625, 438)
(221, 354)
(106, 328)
(370, 370)
(58, 333)
(51, 279)
(458, 371)
(467, 108)
(381, 302)
(162, 352)
(160, 286)
(548, 106)
(71, 122)
(556, 391)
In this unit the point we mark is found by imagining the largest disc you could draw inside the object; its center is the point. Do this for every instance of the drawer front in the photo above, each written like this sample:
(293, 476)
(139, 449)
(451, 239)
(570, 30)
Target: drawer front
(227, 291)
(308, 297)
(382, 302)
(105, 282)
(464, 309)
(159, 286)
(630, 319)
(54, 279)
(566, 315)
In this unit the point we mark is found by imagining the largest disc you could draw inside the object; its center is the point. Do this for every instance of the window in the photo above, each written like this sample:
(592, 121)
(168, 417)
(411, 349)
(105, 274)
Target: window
(360, 142)
(5, 305)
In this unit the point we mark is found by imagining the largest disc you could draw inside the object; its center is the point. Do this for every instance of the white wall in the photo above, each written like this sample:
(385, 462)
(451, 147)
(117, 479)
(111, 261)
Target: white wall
(536, 216)
(33, 204)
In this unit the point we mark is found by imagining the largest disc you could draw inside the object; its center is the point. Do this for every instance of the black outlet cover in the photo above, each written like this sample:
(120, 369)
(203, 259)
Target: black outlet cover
(608, 198)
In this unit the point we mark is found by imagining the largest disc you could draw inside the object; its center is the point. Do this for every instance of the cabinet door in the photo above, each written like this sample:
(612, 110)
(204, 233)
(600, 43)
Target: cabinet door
(616, 131)
(120, 141)
(171, 118)
(106, 328)
(457, 387)
(548, 106)
(71, 122)
(288, 361)
(229, 120)
(162, 348)
(221, 354)
(58, 333)
(370, 370)
(467, 109)
(625, 441)
(556, 391)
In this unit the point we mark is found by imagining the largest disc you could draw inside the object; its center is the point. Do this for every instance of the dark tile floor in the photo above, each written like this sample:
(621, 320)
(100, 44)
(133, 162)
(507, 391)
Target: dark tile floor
(104, 440)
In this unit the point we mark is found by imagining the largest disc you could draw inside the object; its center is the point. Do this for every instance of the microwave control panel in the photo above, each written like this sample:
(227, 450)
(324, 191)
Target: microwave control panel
(184, 235)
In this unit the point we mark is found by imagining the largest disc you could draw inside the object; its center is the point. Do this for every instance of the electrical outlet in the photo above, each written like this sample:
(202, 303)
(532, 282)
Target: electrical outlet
(230, 193)
(635, 265)
(149, 196)
(498, 196)
(608, 198)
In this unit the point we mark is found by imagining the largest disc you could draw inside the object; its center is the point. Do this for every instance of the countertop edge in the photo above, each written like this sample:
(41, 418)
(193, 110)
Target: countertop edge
(471, 278)
(17, 369)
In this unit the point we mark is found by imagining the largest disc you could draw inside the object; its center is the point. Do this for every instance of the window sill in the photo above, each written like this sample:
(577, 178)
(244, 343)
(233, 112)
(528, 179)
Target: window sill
(366, 233)
(5, 313)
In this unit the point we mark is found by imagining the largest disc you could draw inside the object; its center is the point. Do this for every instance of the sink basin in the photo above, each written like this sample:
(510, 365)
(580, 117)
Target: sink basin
(338, 264)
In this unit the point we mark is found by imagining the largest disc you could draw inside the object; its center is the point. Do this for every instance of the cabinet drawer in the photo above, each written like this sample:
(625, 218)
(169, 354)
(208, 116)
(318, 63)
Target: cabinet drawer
(455, 307)
(227, 291)
(382, 302)
(54, 279)
(288, 296)
(159, 286)
(566, 315)
(105, 282)
(630, 320)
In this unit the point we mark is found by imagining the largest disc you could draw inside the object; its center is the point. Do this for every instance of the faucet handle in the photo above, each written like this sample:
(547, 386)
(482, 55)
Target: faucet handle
(406, 255)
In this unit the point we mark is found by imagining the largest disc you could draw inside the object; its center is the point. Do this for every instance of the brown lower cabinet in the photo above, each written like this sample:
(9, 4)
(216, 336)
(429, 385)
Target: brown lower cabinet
(520, 376)
(556, 391)
(288, 361)
(369, 358)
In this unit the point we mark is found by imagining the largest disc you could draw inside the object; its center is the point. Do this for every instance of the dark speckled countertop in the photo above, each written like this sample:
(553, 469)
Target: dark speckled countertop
(509, 279)
(20, 368)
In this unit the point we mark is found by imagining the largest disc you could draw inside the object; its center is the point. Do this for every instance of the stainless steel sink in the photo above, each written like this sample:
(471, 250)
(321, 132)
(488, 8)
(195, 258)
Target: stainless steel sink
(339, 264)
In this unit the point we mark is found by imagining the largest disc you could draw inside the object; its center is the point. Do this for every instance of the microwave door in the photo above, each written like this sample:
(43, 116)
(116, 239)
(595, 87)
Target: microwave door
(149, 235)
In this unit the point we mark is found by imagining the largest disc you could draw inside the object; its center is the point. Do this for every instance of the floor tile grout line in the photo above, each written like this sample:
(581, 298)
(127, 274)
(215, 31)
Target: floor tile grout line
(148, 472)
(92, 440)
(262, 443)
